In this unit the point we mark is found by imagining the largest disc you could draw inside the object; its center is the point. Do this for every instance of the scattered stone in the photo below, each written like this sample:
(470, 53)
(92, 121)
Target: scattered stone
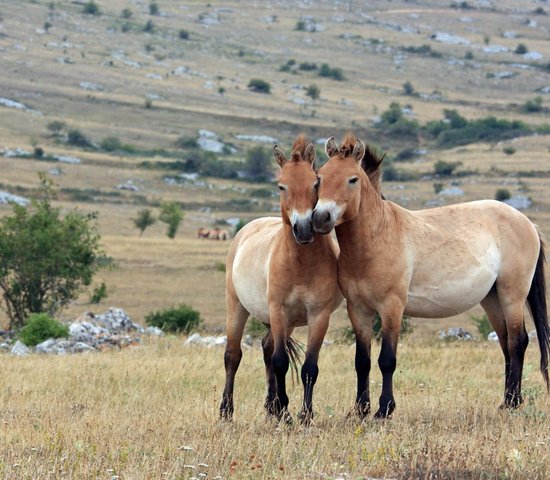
(17, 152)
(257, 138)
(128, 186)
(67, 159)
(6, 197)
(20, 349)
(454, 333)
(451, 192)
(495, 49)
(207, 341)
(8, 103)
(504, 75)
(248, 340)
(492, 337)
(94, 87)
(154, 331)
(449, 39)
(533, 56)
(519, 202)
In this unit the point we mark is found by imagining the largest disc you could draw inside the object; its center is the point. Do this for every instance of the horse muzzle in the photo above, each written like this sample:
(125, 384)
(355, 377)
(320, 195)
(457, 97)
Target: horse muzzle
(323, 220)
(303, 232)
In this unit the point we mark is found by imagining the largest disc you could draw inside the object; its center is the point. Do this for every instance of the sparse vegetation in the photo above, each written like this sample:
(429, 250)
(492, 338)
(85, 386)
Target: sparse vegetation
(329, 72)
(171, 214)
(521, 49)
(258, 163)
(76, 138)
(144, 220)
(445, 169)
(181, 319)
(91, 8)
(259, 86)
(154, 9)
(533, 106)
(483, 325)
(149, 26)
(502, 194)
(39, 327)
(408, 89)
(183, 34)
(126, 13)
(313, 91)
(45, 258)
(99, 293)
(56, 127)
(255, 328)
(509, 150)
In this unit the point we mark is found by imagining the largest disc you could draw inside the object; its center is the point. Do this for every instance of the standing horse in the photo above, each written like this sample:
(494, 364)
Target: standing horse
(281, 274)
(429, 263)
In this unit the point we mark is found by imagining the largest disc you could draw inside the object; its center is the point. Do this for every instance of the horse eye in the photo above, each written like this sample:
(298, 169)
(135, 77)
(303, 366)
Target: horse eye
(316, 186)
(353, 180)
(282, 188)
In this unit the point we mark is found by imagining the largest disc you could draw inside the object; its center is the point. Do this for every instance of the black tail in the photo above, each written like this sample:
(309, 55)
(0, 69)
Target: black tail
(295, 350)
(537, 304)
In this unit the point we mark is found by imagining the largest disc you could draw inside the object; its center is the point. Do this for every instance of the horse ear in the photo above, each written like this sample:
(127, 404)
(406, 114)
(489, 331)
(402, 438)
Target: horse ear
(309, 155)
(330, 147)
(358, 150)
(279, 156)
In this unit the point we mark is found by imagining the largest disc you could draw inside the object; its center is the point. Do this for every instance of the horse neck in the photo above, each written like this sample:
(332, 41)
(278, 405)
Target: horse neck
(304, 253)
(363, 231)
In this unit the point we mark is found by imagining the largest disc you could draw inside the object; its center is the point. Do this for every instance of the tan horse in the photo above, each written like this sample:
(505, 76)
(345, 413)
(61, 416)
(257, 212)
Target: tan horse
(430, 263)
(215, 234)
(281, 274)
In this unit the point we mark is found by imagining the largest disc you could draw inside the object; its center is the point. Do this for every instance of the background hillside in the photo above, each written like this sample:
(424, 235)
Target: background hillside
(150, 90)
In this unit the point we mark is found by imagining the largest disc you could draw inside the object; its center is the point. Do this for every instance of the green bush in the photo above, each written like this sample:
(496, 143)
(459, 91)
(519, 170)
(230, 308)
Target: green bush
(154, 9)
(91, 8)
(99, 293)
(502, 194)
(78, 139)
(180, 319)
(509, 150)
(347, 334)
(393, 114)
(183, 34)
(149, 26)
(313, 91)
(521, 49)
(483, 325)
(307, 66)
(445, 168)
(255, 328)
(126, 13)
(40, 327)
(259, 86)
(329, 72)
(408, 89)
(532, 106)
(438, 187)
(111, 144)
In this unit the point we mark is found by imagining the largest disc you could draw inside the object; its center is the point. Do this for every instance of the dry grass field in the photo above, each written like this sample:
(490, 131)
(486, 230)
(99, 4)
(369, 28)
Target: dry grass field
(151, 411)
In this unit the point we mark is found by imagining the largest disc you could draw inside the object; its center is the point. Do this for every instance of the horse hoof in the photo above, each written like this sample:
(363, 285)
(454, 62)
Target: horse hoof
(306, 418)
(284, 417)
(226, 415)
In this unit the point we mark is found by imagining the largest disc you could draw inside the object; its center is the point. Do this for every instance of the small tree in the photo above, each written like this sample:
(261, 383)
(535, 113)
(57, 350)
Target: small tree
(171, 214)
(313, 91)
(408, 89)
(45, 258)
(149, 26)
(144, 219)
(502, 194)
(56, 127)
(258, 85)
(126, 13)
(521, 49)
(183, 34)
(154, 9)
(91, 8)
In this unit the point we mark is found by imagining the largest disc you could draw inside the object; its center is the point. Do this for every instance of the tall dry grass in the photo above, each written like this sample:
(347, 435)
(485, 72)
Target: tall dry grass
(152, 413)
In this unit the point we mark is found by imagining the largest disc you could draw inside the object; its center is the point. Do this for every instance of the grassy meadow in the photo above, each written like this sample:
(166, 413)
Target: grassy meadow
(151, 412)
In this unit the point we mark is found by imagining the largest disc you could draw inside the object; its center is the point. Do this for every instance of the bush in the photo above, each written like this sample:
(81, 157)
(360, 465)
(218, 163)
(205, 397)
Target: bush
(509, 150)
(91, 8)
(149, 26)
(483, 325)
(313, 91)
(259, 86)
(258, 163)
(438, 187)
(154, 9)
(180, 319)
(171, 214)
(532, 106)
(300, 26)
(78, 139)
(111, 144)
(39, 327)
(183, 34)
(347, 334)
(445, 168)
(334, 73)
(393, 114)
(307, 66)
(45, 259)
(521, 49)
(255, 328)
(408, 89)
(126, 13)
(502, 194)
(56, 126)
(144, 219)
(99, 293)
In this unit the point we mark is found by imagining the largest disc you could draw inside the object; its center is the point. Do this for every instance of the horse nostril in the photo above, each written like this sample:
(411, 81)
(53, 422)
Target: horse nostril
(326, 218)
(295, 229)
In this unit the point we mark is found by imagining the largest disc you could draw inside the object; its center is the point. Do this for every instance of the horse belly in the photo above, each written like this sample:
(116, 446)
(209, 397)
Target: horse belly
(454, 290)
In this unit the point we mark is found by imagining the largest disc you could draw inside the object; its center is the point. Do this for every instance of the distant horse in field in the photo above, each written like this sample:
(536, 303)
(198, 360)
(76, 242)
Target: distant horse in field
(215, 234)
(281, 274)
(429, 263)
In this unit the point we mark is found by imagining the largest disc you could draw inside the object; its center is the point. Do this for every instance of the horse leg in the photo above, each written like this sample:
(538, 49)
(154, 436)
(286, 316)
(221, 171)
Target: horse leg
(236, 320)
(267, 347)
(317, 329)
(387, 361)
(280, 362)
(517, 344)
(361, 322)
(494, 312)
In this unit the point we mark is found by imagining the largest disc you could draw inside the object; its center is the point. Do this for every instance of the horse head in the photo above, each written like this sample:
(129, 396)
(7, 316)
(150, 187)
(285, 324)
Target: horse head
(298, 188)
(340, 182)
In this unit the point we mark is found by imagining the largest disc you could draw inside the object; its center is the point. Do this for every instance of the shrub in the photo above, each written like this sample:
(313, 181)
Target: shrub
(404, 128)
(78, 139)
(521, 49)
(313, 91)
(149, 26)
(307, 66)
(126, 13)
(300, 26)
(483, 325)
(393, 114)
(56, 126)
(532, 106)
(111, 144)
(408, 89)
(347, 334)
(445, 168)
(438, 187)
(334, 73)
(171, 214)
(45, 259)
(144, 219)
(259, 86)
(180, 319)
(240, 225)
(99, 293)
(258, 163)
(502, 194)
(39, 327)
(91, 8)
(469, 55)
(154, 9)
(255, 328)
(183, 34)
(187, 142)
(406, 155)
(38, 152)
(509, 150)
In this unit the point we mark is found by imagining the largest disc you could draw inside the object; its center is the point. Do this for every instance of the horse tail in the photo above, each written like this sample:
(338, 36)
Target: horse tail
(295, 350)
(537, 304)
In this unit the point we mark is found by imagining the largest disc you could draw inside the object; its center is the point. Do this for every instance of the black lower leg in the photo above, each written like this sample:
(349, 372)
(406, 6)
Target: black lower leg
(267, 346)
(362, 368)
(512, 392)
(310, 372)
(232, 359)
(387, 363)
(280, 362)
